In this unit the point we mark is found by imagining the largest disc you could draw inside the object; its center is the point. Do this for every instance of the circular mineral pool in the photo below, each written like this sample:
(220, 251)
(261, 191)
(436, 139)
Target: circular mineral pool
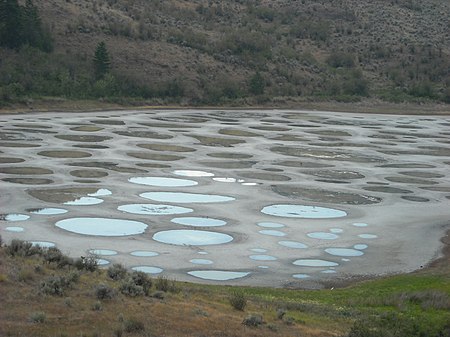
(314, 263)
(336, 230)
(154, 209)
(144, 253)
(16, 217)
(191, 237)
(322, 236)
(102, 226)
(102, 262)
(101, 192)
(263, 257)
(14, 229)
(201, 261)
(343, 252)
(368, 236)
(250, 184)
(203, 253)
(360, 246)
(48, 211)
(272, 232)
(84, 201)
(293, 244)
(104, 252)
(193, 173)
(270, 224)
(43, 244)
(199, 222)
(301, 211)
(360, 224)
(258, 250)
(162, 181)
(225, 180)
(218, 275)
(182, 197)
(263, 267)
(301, 276)
(328, 271)
(148, 269)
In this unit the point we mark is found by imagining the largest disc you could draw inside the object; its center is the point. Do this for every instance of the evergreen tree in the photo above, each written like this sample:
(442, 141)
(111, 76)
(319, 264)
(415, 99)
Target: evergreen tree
(257, 84)
(33, 32)
(10, 24)
(102, 62)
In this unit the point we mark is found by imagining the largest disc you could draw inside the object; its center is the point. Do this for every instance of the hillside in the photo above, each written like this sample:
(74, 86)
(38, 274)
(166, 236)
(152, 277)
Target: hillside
(47, 294)
(239, 52)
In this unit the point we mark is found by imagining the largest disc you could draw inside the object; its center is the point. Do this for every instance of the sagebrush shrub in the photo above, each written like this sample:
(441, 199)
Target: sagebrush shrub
(104, 292)
(238, 300)
(117, 272)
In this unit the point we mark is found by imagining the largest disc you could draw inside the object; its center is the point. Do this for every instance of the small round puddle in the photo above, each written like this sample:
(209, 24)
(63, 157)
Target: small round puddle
(336, 230)
(48, 211)
(301, 211)
(263, 257)
(272, 232)
(148, 269)
(270, 224)
(199, 222)
(322, 236)
(218, 275)
(184, 237)
(43, 244)
(14, 217)
(201, 261)
(181, 197)
(162, 182)
(258, 250)
(328, 271)
(301, 276)
(144, 253)
(368, 236)
(101, 192)
(345, 252)
(193, 173)
(103, 252)
(84, 201)
(293, 244)
(359, 224)
(225, 180)
(102, 262)
(360, 246)
(154, 209)
(14, 229)
(314, 263)
(102, 226)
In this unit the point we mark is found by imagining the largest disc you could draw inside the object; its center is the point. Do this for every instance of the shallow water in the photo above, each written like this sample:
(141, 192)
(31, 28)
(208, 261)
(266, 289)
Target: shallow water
(343, 252)
(144, 253)
(105, 252)
(272, 232)
(263, 257)
(315, 263)
(293, 244)
(302, 211)
(15, 229)
(148, 269)
(102, 226)
(368, 236)
(16, 217)
(301, 276)
(270, 225)
(199, 222)
(43, 244)
(218, 275)
(48, 211)
(201, 261)
(322, 236)
(186, 237)
(84, 201)
(193, 173)
(162, 181)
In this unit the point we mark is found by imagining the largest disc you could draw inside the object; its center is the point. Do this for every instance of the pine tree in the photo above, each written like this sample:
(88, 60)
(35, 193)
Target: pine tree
(102, 62)
(10, 24)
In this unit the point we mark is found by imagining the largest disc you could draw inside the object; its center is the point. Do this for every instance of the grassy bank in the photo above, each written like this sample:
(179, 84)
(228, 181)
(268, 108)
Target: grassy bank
(47, 294)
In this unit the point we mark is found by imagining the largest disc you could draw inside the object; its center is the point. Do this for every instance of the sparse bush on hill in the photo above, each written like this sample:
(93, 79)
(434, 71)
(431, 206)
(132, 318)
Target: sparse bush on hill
(130, 288)
(104, 292)
(238, 299)
(117, 271)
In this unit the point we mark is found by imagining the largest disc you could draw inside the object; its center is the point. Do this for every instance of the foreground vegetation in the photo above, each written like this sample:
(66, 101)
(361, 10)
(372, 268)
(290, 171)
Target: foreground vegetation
(240, 52)
(45, 293)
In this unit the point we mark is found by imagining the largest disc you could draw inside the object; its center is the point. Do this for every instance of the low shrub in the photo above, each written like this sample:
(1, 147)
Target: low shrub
(97, 306)
(133, 325)
(253, 320)
(129, 288)
(164, 284)
(143, 280)
(238, 300)
(38, 317)
(22, 248)
(88, 263)
(117, 272)
(56, 285)
(104, 292)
